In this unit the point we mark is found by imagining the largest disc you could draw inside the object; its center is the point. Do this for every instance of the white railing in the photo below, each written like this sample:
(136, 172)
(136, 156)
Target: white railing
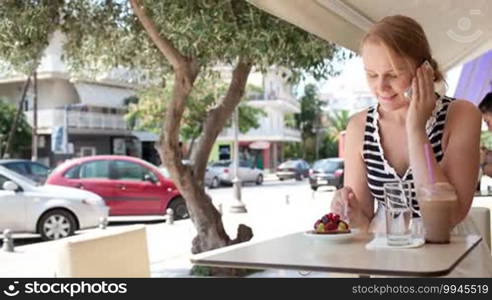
(292, 133)
(49, 118)
(261, 133)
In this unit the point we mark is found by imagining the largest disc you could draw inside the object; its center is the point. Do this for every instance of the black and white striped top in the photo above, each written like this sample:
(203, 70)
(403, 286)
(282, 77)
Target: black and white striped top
(379, 170)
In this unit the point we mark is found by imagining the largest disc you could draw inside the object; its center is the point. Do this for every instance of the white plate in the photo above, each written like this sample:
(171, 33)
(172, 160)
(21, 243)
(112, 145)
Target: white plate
(337, 237)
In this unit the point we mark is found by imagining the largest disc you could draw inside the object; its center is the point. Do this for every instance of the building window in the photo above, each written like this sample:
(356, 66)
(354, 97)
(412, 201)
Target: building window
(87, 151)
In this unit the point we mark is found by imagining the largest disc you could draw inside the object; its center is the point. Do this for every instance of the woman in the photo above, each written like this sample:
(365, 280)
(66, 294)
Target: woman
(387, 142)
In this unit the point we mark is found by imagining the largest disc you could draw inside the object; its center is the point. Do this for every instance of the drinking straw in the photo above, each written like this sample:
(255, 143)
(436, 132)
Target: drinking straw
(427, 151)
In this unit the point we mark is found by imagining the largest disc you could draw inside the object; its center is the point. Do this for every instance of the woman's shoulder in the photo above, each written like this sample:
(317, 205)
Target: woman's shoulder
(358, 120)
(356, 126)
(461, 108)
(463, 116)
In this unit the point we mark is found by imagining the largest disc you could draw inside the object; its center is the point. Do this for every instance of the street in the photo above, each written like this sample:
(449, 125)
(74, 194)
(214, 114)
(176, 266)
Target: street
(272, 197)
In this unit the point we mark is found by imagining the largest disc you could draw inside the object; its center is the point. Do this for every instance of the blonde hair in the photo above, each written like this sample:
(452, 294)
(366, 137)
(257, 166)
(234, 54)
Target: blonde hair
(405, 37)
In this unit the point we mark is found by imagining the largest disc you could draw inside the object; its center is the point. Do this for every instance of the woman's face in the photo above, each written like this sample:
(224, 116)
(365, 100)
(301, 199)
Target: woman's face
(388, 78)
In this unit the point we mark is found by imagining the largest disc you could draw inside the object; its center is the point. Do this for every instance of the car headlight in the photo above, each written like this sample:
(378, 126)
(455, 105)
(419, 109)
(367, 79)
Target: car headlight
(91, 201)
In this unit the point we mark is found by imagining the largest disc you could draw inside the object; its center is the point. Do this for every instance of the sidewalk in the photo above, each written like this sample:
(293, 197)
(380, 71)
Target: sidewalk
(268, 219)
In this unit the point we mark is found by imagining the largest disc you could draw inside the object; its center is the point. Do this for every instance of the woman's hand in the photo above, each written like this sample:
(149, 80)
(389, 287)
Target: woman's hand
(423, 98)
(345, 204)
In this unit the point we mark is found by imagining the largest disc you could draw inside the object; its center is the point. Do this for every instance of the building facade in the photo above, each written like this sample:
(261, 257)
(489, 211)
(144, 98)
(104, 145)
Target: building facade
(264, 146)
(91, 111)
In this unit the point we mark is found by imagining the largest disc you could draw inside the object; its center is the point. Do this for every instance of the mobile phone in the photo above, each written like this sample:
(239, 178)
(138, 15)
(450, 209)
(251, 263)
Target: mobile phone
(408, 92)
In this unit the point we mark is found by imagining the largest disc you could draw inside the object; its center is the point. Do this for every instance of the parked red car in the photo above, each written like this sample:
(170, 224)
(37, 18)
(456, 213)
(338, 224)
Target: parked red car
(128, 185)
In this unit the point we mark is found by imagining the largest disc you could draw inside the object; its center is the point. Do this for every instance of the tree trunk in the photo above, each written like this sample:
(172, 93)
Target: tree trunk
(189, 179)
(207, 220)
(34, 147)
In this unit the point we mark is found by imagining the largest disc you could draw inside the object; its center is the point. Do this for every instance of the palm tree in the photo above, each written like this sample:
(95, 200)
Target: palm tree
(338, 122)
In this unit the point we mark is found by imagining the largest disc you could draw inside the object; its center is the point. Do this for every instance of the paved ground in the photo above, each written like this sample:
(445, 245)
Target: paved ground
(274, 209)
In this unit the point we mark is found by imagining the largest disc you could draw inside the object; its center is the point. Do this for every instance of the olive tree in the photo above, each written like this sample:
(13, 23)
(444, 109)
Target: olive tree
(26, 27)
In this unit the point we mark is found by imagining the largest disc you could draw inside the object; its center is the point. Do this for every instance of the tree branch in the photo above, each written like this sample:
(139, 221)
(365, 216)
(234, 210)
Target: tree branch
(186, 70)
(175, 58)
(218, 116)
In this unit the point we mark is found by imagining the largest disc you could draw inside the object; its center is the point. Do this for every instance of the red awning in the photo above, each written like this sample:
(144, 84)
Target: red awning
(260, 145)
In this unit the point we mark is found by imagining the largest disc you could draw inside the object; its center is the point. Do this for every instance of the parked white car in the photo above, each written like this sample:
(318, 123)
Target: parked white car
(52, 211)
(247, 172)
(211, 178)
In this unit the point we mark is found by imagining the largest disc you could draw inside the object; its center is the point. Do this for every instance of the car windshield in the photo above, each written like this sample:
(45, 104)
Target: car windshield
(19, 178)
(289, 164)
(327, 165)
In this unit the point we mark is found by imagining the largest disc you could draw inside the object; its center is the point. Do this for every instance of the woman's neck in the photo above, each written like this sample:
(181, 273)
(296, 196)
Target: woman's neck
(395, 116)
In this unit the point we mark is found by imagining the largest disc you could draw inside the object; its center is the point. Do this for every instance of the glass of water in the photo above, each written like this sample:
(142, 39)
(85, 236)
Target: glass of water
(397, 196)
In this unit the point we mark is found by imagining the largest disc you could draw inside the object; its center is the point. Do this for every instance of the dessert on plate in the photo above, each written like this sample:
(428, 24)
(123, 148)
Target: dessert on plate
(331, 224)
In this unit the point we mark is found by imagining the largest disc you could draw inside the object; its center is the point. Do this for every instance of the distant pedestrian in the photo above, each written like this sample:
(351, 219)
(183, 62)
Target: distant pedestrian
(485, 107)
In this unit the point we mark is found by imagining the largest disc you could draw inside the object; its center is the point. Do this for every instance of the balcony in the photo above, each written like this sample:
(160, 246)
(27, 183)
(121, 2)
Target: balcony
(284, 134)
(84, 119)
(285, 103)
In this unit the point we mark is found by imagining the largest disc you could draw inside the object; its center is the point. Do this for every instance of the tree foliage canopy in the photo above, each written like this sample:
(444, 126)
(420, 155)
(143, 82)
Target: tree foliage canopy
(106, 33)
(309, 117)
(149, 111)
(25, 29)
(22, 136)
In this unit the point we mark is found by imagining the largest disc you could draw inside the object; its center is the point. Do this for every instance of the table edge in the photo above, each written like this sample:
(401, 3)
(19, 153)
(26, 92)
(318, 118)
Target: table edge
(205, 262)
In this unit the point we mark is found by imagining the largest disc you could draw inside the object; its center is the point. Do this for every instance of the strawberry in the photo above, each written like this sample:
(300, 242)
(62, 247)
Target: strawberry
(335, 218)
(331, 226)
(330, 216)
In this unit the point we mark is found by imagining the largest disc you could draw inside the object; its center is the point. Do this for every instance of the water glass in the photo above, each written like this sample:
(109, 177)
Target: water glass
(397, 196)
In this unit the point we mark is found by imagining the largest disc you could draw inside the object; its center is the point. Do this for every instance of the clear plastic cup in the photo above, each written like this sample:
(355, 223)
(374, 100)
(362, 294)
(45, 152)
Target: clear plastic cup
(398, 213)
(437, 204)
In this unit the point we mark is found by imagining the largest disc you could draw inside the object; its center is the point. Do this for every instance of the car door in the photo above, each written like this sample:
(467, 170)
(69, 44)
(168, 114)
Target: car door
(12, 209)
(305, 169)
(137, 189)
(94, 176)
(244, 172)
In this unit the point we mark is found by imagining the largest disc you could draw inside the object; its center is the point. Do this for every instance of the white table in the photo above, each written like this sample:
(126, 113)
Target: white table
(299, 252)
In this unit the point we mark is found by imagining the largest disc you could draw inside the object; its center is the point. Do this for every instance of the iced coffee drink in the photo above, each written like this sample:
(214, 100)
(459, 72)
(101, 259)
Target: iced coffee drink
(437, 204)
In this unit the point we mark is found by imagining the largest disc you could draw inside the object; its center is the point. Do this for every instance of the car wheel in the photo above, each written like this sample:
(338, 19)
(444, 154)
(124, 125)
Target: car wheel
(281, 178)
(56, 224)
(215, 183)
(179, 208)
(298, 177)
(314, 188)
(339, 186)
(259, 179)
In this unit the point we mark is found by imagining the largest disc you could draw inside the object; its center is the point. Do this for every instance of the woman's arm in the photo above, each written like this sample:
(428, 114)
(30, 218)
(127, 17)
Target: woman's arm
(462, 153)
(355, 175)
(460, 163)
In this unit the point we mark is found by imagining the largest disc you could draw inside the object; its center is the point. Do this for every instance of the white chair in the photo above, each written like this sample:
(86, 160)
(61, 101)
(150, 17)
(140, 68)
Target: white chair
(481, 217)
(116, 252)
